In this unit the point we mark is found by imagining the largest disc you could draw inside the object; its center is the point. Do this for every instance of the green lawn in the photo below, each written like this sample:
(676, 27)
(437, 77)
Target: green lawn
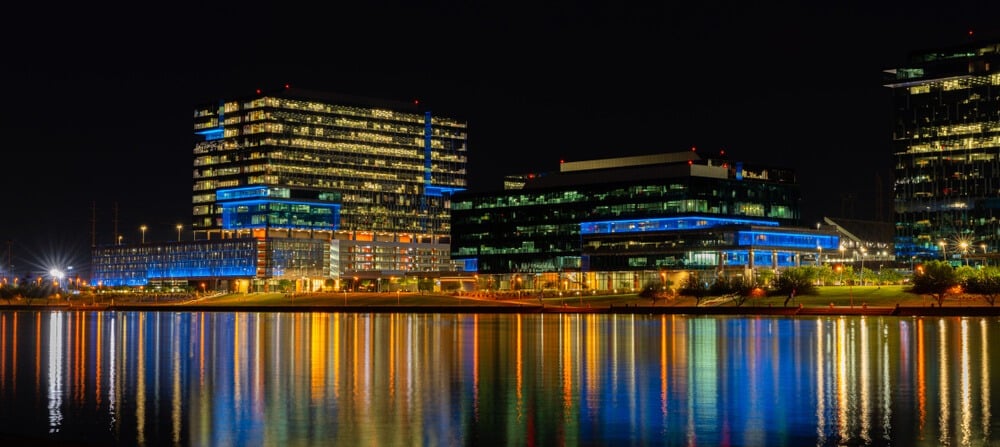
(871, 296)
(874, 296)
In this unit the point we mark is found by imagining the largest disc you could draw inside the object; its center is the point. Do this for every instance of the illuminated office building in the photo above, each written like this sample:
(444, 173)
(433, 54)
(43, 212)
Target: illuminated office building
(275, 236)
(324, 190)
(608, 222)
(392, 166)
(946, 146)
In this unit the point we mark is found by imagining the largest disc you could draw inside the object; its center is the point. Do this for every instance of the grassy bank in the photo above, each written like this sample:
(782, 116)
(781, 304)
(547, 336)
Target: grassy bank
(836, 297)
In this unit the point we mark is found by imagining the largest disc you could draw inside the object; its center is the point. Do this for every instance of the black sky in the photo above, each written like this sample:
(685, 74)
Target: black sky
(98, 99)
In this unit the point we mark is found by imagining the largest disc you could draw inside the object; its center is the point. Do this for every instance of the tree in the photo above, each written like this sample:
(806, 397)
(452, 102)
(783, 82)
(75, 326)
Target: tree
(889, 276)
(694, 287)
(826, 275)
(965, 272)
(935, 278)
(763, 275)
(653, 289)
(744, 290)
(801, 279)
(986, 283)
(7, 292)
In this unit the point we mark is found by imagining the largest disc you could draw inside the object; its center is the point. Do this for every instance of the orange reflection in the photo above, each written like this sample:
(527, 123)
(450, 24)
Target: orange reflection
(943, 388)
(317, 354)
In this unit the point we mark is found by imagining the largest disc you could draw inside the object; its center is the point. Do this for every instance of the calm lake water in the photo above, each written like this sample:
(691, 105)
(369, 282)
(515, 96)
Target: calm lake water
(381, 379)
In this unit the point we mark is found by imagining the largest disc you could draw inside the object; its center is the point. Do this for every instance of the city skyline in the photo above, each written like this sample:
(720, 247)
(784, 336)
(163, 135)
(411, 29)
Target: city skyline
(94, 121)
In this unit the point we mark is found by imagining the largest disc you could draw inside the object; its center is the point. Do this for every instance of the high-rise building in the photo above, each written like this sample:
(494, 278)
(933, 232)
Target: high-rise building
(303, 190)
(393, 165)
(946, 143)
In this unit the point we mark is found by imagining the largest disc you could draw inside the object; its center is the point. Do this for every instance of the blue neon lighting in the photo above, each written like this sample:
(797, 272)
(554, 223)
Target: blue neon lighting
(739, 170)
(471, 265)
(761, 258)
(438, 191)
(666, 224)
(211, 134)
(259, 214)
(286, 202)
(803, 241)
(242, 192)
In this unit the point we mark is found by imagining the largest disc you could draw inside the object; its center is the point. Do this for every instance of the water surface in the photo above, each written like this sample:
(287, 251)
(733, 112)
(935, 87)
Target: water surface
(303, 379)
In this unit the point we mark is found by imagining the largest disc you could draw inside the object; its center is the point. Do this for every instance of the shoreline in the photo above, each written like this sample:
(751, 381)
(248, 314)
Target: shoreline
(902, 311)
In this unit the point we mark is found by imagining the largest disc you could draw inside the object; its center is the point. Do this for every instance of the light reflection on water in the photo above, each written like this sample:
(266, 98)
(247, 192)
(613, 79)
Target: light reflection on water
(245, 378)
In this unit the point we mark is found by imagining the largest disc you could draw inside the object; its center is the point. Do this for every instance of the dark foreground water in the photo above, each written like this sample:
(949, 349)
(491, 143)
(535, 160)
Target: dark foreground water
(301, 379)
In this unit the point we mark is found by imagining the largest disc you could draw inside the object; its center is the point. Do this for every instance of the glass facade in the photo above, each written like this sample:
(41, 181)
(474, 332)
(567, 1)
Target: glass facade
(541, 227)
(390, 166)
(946, 146)
(696, 242)
(263, 207)
(262, 263)
(139, 265)
(311, 186)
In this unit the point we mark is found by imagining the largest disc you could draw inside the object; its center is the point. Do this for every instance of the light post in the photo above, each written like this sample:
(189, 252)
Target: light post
(119, 239)
(819, 255)
(944, 252)
(842, 249)
(179, 226)
(984, 255)
(142, 229)
(965, 251)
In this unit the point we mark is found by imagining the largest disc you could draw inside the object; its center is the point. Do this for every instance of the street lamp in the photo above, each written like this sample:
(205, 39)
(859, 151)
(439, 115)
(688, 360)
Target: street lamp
(179, 226)
(143, 230)
(119, 239)
(965, 251)
(984, 254)
(944, 252)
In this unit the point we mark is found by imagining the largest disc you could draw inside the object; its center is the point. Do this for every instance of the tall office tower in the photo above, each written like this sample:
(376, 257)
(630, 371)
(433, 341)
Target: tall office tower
(946, 146)
(392, 165)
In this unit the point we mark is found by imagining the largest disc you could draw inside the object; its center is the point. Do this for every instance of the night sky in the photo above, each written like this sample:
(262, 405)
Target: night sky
(97, 109)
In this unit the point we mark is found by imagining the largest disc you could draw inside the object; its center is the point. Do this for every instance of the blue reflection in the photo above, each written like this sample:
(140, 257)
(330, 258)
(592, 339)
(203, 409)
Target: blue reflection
(227, 379)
